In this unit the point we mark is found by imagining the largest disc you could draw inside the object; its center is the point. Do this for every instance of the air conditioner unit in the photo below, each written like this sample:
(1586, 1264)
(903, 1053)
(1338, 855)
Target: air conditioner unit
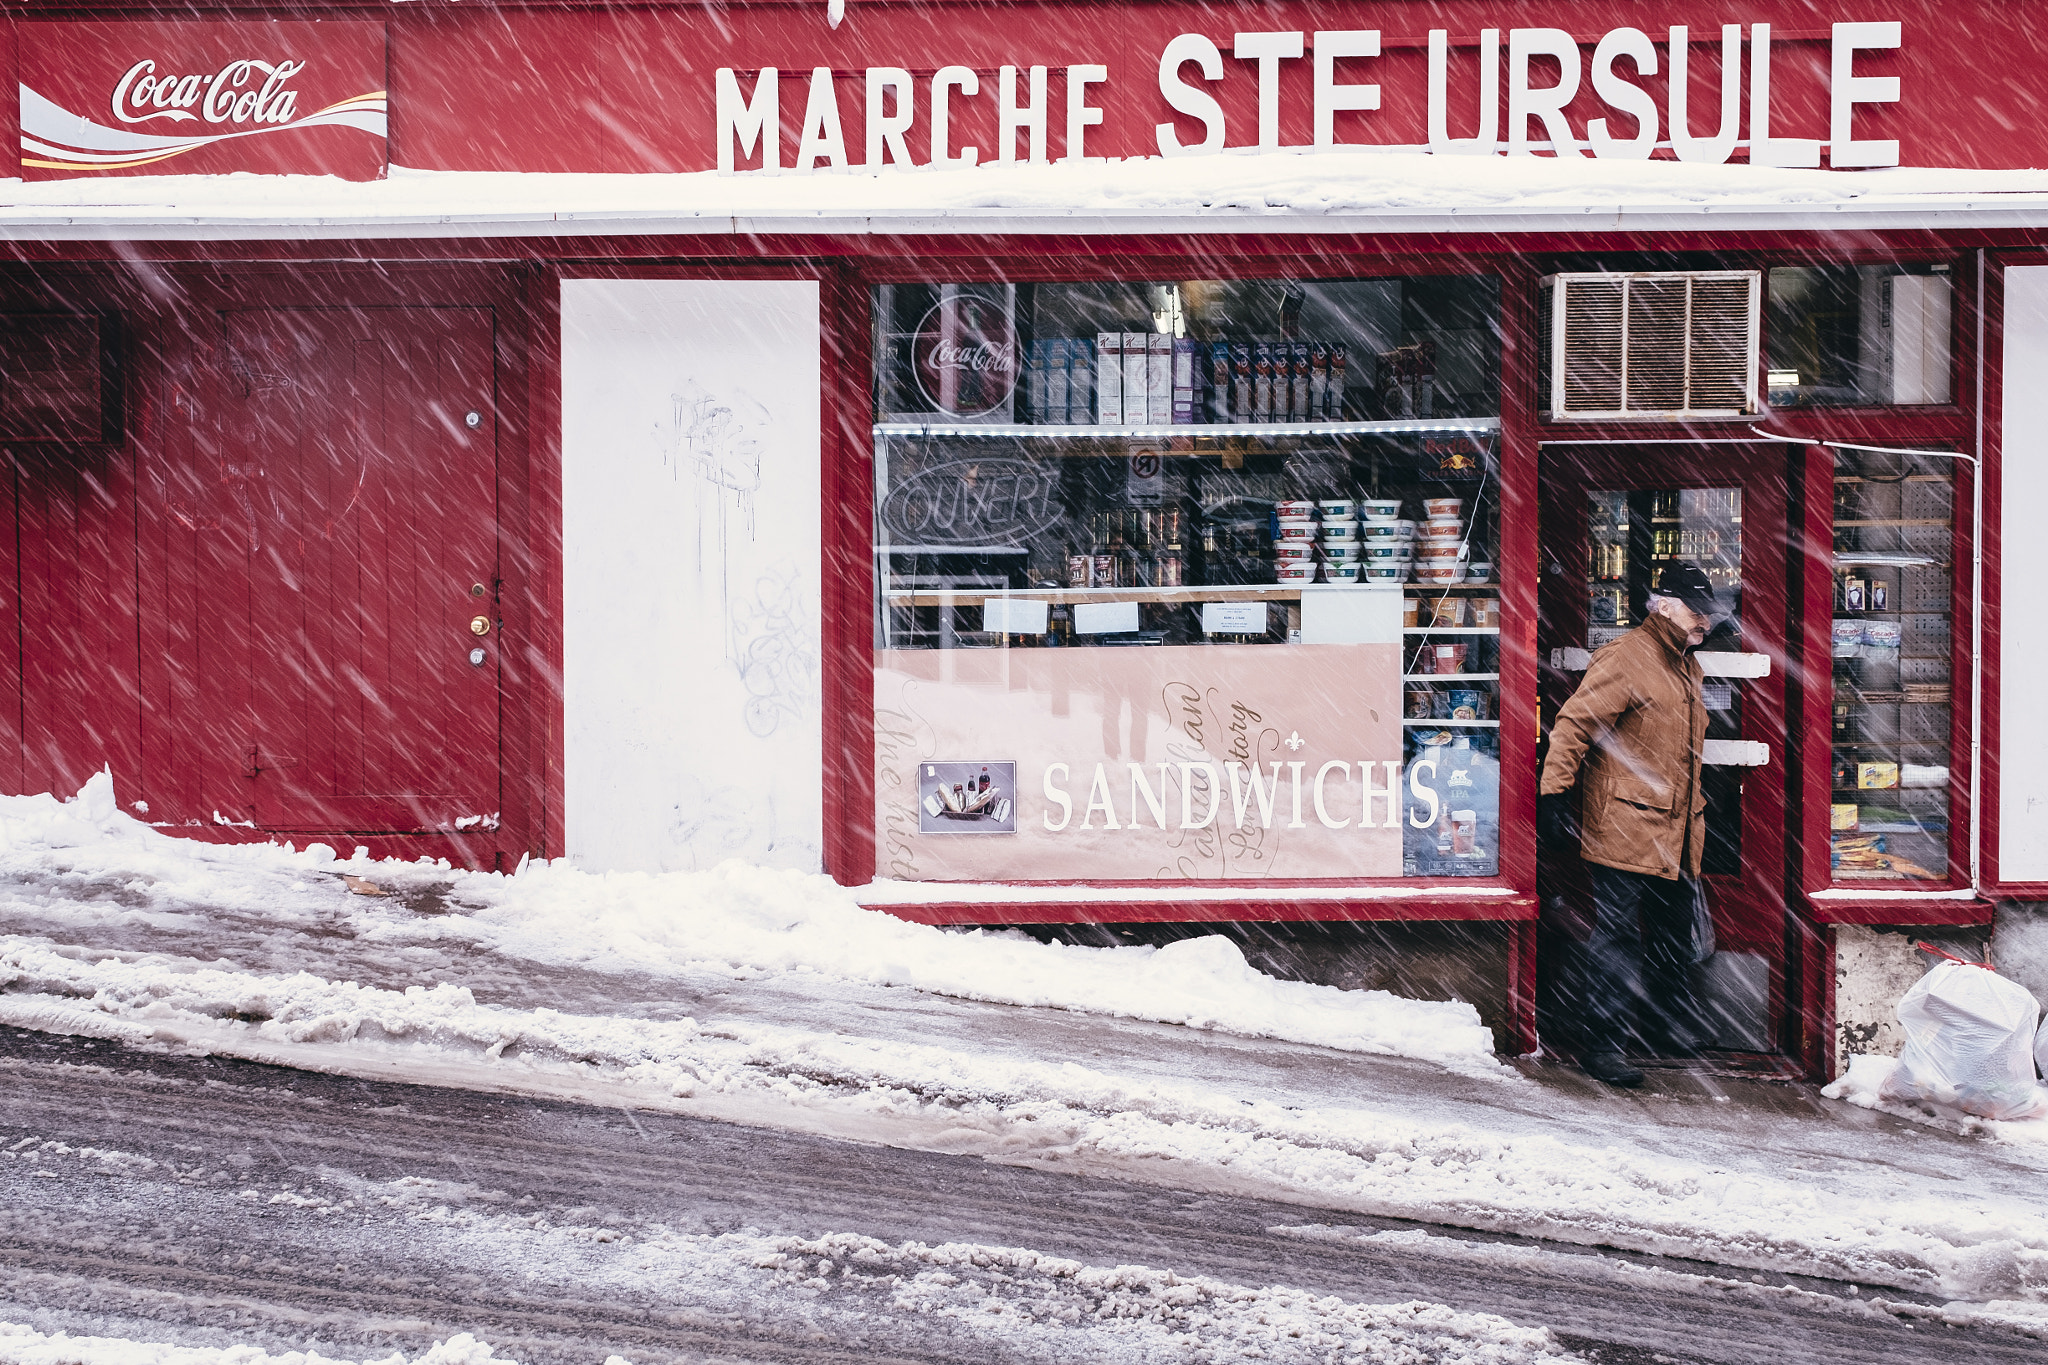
(1676, 344)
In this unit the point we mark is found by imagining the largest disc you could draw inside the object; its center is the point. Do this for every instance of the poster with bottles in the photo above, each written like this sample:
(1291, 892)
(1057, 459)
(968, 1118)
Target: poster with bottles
(1452, 824)
(974, 797)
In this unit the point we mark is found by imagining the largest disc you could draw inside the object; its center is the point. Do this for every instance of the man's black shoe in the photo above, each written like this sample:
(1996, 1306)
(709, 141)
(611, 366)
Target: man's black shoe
(1611, 1067)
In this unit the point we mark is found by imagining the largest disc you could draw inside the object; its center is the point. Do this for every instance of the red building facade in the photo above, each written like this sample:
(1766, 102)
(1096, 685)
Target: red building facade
(658, 434)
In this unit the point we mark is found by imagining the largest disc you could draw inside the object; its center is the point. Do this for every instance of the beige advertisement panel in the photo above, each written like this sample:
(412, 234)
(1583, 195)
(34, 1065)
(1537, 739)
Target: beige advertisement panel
(1205, 763)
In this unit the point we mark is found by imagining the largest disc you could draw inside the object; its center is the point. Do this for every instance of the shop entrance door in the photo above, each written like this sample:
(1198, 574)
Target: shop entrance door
(351, 621)
(1612, 517)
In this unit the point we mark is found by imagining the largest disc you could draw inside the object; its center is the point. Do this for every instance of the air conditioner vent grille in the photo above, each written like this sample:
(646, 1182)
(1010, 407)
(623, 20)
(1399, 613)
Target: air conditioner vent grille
(1676, 345)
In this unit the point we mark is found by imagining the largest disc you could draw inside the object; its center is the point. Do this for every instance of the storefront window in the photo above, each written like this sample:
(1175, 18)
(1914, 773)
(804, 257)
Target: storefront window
(1859, 335)
(1187, 580)
(1892, 683)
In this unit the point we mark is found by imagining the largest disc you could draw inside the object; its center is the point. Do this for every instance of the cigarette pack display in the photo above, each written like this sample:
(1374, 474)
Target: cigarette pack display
(1137, 348)
(1298, 382)
(1034, 380)
(1184, 381)
(1109, 378)
(1262, 381)
(1241, 381)
(1333, 397)
(1053, 407)
(1158, 379)
(1080, 381)
(1318, 379)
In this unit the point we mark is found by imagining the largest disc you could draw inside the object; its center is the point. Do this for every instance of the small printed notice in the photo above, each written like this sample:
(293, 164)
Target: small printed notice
(1014, 616)
(974, 797)
(1105, 618)
(1233, 618)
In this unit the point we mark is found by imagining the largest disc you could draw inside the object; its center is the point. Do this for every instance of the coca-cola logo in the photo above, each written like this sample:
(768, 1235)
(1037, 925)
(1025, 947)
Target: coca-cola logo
(965, 355)
(245, 91)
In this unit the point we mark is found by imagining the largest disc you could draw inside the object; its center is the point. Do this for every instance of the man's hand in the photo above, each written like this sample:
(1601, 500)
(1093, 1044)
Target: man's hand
(1556, 825)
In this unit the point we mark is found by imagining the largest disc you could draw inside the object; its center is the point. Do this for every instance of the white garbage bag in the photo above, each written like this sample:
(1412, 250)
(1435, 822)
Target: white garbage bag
(1967, 1036)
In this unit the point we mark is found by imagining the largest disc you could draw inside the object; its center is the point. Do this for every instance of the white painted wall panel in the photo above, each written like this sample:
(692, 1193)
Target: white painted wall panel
(2022, 645)
(690, 530)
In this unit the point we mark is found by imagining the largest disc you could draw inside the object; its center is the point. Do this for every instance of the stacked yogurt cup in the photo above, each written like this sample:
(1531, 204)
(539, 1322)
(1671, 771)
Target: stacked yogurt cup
(1294, 541)
(1339, 540)
(1387, 542)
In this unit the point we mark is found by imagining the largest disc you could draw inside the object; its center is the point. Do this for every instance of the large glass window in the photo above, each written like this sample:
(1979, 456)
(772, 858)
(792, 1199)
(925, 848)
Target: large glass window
(1187, 579)
(1860, 335)
(1893, 688)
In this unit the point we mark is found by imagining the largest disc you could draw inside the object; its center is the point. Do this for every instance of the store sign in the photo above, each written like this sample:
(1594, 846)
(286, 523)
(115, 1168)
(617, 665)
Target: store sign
(110, 98)
(1628, 94)
(1222, 763)
(973, 501)
(965, 355)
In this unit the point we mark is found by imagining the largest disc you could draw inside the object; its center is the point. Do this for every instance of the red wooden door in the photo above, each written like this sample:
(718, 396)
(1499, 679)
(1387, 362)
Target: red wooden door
(355, 454)
(1610, 519)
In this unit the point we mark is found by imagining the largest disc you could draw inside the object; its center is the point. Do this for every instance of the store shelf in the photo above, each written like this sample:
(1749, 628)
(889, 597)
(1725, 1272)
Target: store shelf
(974, 597)
(1428, 590)
(1450, 677)
(1915, 521)
(1450, 630)
(1429, 724)
(1259, 430)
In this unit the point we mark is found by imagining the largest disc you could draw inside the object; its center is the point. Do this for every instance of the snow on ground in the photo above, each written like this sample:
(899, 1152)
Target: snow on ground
(1397, 189)
(985, 1301)
(1500, 1154)
(21, 1346)
(1863, 1085)
(740, 920)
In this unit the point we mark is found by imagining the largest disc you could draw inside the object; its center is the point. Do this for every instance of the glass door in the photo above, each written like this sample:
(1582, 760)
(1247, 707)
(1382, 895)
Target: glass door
(1612, 521)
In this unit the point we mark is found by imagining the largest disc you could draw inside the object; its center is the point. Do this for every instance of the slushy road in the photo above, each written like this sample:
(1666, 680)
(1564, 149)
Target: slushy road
(215, 1202)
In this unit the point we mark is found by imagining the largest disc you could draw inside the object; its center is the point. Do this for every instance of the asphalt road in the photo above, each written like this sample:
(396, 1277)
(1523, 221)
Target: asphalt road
(214, 1202)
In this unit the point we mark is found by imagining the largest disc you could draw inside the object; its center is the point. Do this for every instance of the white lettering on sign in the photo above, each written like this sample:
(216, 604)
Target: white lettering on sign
(1254, 796)
(1191, 68)
(226, 96)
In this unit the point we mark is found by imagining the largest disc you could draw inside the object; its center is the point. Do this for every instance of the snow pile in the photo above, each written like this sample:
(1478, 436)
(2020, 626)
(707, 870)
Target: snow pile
(21, 1346)
(1868, 1083)
(1396, 189)
(744, 920)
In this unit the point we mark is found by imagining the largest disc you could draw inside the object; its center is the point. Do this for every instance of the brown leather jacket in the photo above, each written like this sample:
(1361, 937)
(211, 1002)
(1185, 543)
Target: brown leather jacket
(1633, 732)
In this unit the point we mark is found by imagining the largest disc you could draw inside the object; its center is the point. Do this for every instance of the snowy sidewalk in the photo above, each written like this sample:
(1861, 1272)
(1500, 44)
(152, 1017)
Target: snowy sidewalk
(771, 999)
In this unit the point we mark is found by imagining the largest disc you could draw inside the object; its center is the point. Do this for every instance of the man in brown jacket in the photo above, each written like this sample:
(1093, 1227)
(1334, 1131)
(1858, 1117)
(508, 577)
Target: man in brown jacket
(1630, 738)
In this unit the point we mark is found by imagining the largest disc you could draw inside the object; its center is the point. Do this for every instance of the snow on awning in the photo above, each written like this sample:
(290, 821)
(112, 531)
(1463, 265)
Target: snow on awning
(1347, 190)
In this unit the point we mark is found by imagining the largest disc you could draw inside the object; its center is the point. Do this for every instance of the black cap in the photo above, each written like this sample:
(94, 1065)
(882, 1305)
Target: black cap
(1690, 585)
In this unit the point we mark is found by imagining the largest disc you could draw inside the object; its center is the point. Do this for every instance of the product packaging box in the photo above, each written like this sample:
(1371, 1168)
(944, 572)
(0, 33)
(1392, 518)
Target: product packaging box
(1109, 378)
(1184, 381)
(1262, 381)
(1842, 818)
(1158, 379)
(1137, 355)
(1219, 381)
(1034, 381)
(1080, 381)
(1333, 409)
(1052, 406)
(1298, 382)
(1877, 776)
(1241, 381)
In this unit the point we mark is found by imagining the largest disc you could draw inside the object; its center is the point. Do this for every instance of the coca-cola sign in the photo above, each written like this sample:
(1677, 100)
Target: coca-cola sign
(114, 97)
(248, 91)
(965, 355)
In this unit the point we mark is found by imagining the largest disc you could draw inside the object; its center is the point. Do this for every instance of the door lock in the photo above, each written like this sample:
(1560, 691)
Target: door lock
(479, 625)
(477, 656)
